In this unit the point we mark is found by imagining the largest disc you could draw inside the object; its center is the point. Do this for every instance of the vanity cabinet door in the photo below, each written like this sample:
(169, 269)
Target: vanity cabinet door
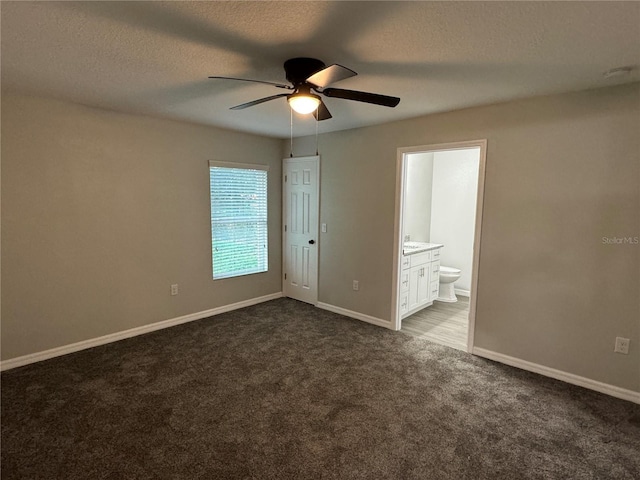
(404, 281)
(423, 285)
(404, 303)
(435, 271)
(434, 287)
(434, 291)
(417, 283)
(414, 279)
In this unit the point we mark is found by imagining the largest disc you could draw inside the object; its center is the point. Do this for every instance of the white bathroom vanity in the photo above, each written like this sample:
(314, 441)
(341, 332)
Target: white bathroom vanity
(420, 279)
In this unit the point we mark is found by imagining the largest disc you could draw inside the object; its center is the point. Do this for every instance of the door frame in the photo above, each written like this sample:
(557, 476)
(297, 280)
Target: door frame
(397, 243)
(286, 161)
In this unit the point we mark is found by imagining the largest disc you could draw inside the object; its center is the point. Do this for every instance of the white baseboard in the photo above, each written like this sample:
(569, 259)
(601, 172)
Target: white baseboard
(357, 315)
(462, 293)
(114, 337)
(612, 390)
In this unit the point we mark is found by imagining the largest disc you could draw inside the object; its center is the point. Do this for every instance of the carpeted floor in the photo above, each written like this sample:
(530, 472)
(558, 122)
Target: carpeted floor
(283, 390)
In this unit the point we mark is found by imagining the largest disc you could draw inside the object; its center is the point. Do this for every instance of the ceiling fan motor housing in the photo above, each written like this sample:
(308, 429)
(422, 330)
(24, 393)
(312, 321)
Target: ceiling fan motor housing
(297, 70)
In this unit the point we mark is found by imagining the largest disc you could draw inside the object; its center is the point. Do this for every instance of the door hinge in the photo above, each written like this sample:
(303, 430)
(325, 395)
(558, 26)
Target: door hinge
(285, 179)
(285, 276)
(285, 228)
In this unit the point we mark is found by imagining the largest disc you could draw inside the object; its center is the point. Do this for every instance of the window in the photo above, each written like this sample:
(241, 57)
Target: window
(238, 219)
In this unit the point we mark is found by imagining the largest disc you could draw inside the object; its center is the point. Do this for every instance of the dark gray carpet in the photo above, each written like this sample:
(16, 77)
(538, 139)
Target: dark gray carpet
(283, 390)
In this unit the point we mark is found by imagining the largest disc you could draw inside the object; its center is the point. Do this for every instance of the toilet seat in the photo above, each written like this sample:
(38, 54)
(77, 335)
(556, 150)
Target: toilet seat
(450, 270)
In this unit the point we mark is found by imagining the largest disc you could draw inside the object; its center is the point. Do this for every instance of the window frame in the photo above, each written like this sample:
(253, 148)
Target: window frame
(263, 223)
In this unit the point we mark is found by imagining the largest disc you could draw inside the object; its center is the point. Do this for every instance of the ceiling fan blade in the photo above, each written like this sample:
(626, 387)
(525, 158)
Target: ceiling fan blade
(258, 102)
(279, 85)
(322, 112)
(332, 74)
(374, 98)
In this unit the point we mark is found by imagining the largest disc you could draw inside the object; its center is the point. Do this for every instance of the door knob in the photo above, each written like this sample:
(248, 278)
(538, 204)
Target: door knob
(311, 242)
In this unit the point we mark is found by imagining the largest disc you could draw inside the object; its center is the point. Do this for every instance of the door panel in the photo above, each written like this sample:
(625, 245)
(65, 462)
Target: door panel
(306, 213)
(434, 291)
(293, 271)
(300, 236)
(414, 277)
(306, 254)
(423, 285)
(293, 217)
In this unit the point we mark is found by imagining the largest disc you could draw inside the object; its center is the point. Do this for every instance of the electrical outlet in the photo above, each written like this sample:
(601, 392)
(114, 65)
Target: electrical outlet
(174, 289)
(622, 345)
(356, 285)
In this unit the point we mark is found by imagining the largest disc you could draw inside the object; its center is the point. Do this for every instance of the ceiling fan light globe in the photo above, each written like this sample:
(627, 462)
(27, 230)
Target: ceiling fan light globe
(304, 104)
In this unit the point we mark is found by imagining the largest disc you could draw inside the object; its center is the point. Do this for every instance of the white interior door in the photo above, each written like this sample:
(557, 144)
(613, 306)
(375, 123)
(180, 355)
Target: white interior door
(301, 206)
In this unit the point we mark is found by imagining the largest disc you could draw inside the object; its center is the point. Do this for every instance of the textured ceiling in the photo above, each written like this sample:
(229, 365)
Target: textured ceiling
(154, 57)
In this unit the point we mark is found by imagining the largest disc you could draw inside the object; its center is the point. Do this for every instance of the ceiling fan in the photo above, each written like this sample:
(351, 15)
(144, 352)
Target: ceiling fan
(309, 75)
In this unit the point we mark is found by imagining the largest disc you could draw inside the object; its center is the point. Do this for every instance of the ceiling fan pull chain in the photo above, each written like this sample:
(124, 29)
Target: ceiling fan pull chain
(317, 136)
(291, 124)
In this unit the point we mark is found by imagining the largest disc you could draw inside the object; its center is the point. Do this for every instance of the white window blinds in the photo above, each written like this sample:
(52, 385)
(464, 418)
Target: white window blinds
(238, 219)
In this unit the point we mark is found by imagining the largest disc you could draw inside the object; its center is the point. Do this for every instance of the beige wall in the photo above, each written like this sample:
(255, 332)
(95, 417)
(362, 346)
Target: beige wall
(562, 173)
(102, 211)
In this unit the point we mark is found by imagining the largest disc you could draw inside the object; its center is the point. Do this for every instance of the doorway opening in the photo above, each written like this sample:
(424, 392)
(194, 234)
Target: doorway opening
(439, 198)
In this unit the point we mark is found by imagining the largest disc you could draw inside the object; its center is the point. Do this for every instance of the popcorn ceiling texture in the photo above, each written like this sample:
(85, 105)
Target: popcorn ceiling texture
(154, 57)
(283, 390)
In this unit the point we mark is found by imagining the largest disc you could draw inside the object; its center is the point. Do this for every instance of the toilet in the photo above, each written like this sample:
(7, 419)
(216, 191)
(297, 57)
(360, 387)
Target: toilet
(448, 276)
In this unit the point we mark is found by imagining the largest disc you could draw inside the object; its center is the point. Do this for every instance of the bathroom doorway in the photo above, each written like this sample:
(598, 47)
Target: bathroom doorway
(439, 197)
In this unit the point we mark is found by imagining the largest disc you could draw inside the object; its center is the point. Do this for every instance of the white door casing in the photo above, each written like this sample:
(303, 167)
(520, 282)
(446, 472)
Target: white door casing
(300, 205)
(399, 298)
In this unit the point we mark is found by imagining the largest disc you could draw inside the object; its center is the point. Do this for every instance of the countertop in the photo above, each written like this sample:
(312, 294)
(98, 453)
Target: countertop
(409, 248)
